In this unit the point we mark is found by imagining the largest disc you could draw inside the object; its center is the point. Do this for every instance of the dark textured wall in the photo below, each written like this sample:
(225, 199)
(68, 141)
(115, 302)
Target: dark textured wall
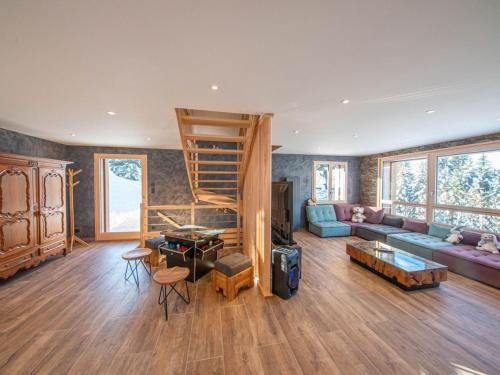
(299, 168)
(17, 143)
(369, 164)
(167, 180)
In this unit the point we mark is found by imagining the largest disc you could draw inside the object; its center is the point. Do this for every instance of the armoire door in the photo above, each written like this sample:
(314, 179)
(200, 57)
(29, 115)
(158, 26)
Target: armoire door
(52, 204)
(17, 228)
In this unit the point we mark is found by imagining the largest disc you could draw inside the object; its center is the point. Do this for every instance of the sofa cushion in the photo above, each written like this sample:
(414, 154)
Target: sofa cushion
(384, 229)
(374, 215)
(415, 225)
(330, 229)
(439, 230)
(344, 210)
(471, 254)
(393, 220)
(320, 213)
(421, 239)
(353, 225)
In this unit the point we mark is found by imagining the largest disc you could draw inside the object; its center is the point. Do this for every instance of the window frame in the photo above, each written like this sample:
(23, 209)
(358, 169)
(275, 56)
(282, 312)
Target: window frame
(432, 157)
(331, 164)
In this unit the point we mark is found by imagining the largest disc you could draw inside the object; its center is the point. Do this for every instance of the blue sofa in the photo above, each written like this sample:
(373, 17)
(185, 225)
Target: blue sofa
(323, 222)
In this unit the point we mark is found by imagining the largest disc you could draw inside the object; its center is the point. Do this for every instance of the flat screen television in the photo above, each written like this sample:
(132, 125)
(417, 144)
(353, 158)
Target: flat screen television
(282, 213)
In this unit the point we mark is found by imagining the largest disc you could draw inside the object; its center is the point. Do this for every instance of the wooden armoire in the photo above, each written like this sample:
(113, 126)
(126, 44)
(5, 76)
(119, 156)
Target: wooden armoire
(32, 211)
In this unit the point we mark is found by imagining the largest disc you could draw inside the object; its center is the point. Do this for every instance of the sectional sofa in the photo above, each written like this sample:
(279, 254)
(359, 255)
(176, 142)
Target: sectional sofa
(413, 236)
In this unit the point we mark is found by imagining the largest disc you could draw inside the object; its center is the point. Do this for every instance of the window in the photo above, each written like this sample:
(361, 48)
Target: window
(330, 181)
(120, 182)
(456, 186)
(405, 187)
(467, 186)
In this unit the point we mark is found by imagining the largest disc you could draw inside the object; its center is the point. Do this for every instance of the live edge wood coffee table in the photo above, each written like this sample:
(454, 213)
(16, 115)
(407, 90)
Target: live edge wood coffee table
(408, 271)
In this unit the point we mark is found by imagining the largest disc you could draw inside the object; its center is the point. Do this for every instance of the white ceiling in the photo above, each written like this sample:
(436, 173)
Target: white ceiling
(64, 64)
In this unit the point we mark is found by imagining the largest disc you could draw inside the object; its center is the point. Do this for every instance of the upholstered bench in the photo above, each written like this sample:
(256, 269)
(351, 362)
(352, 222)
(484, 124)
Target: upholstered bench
(232, 273)
(154, 243)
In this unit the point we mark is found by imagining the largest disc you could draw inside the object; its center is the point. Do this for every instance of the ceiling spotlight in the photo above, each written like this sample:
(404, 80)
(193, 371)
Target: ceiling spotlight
(345, 101)
(111, 113)
(214, 87)
(149, 138)
(430, 111)
(296, 132)
(73, 134)
(355, 135)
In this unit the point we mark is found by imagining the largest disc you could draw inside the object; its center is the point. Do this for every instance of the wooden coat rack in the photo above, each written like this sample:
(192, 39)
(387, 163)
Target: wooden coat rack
(71, 184)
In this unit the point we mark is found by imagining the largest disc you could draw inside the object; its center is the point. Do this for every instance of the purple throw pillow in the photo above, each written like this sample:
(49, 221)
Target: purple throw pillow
(415, 225)
(343, 211)
(374, 215)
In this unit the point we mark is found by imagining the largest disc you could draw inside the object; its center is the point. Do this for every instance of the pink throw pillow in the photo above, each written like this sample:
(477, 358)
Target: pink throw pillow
(374, 215)
(415, 225)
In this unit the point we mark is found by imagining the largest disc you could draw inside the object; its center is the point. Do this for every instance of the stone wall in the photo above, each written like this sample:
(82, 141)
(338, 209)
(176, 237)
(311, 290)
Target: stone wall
(22, 144)
(369, 164)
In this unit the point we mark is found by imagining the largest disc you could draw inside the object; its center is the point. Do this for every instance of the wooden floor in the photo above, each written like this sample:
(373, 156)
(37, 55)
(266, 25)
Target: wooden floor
(76, 315)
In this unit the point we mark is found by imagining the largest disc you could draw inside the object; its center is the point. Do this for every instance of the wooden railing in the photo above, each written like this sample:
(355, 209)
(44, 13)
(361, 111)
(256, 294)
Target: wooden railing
(158, 218)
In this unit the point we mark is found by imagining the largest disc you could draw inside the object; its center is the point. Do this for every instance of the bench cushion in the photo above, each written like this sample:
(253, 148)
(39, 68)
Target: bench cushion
(330, 229)
(232, 264)
(155, 242)
(377, 232)
(466, 260)
(417, 243)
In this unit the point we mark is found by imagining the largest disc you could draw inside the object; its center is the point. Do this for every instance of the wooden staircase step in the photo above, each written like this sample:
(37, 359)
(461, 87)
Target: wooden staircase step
(215, 138)
(215, 188)
(217, 181)
(232, 123)
(214, 162)
(215, 172)
(217, 151)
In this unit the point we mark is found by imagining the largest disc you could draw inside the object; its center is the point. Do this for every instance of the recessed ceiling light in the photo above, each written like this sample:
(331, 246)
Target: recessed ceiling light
(149, 138)
(111, 113)
(214, 87)
(498, 118)
(73, 134)
(296, 132)
(355, 135)
(430, 111)
(345, 101)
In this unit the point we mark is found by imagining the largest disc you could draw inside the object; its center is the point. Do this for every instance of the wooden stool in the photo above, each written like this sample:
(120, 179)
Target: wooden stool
(232, 273)
(170, 277)
(137, 256)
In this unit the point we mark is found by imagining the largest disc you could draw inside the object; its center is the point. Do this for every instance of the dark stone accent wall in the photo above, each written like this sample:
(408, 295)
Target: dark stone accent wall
(16, 143)
(369, 164)
(167, 180)
(299, 168)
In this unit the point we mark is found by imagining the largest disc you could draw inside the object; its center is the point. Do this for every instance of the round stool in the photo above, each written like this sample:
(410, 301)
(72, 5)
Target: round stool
(136, 256)
(169, 277)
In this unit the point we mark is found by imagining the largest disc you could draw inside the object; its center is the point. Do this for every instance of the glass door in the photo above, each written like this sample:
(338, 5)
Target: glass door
(120, 182)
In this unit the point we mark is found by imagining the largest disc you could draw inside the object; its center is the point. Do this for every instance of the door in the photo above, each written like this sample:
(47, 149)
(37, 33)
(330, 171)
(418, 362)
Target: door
(52, 204)
(120, 186)
(17, 229)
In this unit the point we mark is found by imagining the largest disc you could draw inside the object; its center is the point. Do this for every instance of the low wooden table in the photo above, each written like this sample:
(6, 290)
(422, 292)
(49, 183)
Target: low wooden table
(408, 271)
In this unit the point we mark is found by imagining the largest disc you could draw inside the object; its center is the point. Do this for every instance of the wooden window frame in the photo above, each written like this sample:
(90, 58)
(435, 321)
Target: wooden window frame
(432, 156)
(98, 187)
(331, 163)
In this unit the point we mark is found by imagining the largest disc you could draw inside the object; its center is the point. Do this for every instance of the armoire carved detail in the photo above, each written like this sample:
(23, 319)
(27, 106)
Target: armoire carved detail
(32, 211)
